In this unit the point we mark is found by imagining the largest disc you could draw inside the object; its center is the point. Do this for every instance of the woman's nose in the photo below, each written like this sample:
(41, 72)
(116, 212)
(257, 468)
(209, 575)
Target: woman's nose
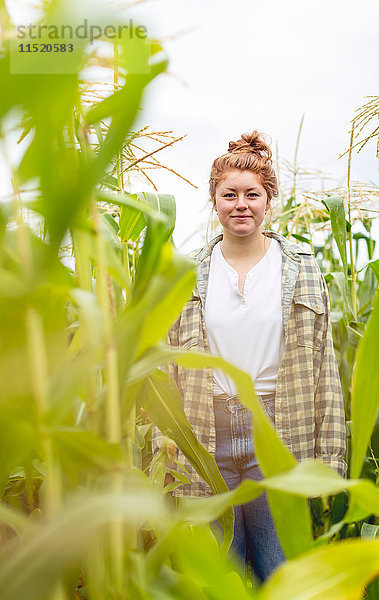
(241, 202)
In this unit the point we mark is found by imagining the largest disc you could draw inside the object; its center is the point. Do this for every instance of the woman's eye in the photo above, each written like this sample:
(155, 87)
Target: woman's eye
(249, 195)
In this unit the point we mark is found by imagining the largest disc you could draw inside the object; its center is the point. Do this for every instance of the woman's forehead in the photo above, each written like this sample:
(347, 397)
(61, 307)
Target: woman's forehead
(240, 179)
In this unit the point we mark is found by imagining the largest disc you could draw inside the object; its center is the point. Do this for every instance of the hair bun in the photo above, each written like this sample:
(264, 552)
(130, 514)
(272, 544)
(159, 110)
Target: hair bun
(251, 142)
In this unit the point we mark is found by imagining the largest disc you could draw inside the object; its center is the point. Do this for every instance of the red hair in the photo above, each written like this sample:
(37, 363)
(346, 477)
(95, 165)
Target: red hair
(250, 153)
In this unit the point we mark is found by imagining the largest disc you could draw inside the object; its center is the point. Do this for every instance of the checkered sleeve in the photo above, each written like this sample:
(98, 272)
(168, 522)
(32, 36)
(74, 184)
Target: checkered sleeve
(330, 443)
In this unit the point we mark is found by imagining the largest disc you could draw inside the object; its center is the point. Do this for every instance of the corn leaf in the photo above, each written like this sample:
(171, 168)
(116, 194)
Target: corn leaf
(336, 210)
(365, 390)
(334, 572)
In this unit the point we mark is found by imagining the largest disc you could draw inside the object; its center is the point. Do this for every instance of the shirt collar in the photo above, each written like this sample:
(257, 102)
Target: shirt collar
(290, 249)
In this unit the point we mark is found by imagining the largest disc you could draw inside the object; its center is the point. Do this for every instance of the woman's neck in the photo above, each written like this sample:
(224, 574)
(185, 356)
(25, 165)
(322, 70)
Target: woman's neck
(239, 248)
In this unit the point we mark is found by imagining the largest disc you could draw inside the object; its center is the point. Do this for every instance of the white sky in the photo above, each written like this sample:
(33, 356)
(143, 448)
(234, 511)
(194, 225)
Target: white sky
(247, 65)
(244, 65)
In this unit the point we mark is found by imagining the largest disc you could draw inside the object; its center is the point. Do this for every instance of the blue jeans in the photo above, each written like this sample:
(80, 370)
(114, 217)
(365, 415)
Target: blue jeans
(255, 538)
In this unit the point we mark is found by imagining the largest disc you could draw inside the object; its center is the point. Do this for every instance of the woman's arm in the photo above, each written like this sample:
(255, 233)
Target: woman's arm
(330, 443)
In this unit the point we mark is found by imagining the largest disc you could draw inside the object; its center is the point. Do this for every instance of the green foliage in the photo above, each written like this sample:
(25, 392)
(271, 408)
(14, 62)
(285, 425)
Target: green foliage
(90, 283)
(337, 217)
(313, 575)
(365, 390)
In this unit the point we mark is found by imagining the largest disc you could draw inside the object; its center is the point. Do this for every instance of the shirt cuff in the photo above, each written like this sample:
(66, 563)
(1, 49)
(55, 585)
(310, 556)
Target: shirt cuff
(335, 462)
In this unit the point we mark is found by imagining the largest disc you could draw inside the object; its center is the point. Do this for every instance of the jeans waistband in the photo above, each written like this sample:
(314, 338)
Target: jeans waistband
(225, 400)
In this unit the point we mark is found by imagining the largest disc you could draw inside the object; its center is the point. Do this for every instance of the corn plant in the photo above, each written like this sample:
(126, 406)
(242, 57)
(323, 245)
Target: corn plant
(90, 282)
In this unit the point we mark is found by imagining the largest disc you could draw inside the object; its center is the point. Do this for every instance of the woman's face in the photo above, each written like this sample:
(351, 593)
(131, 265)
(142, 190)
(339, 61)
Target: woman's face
(240, 201)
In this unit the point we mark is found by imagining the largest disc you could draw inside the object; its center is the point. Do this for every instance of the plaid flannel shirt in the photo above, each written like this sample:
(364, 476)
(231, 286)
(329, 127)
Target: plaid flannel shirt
(309, 408)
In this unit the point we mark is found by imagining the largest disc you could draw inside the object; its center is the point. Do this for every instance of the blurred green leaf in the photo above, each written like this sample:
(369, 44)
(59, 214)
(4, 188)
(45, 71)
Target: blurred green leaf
(374, 266)
(32, 571)
(365, 390)
(18, 433)
(163, 203)
(334, 572)
(371, 532)
(196, 554)
(169, 289)
(132, 223)
(149, 258)
(132, 201)
(14, 519)
(83, 450)
(308, 479)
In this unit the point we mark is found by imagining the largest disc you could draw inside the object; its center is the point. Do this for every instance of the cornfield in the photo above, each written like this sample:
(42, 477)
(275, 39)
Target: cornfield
(90, 283)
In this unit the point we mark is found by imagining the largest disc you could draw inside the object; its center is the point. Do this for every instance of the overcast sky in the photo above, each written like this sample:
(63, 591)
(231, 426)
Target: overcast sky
(244, 65)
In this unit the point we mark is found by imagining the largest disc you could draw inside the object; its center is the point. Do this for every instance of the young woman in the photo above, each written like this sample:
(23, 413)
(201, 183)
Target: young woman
(261, 303)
